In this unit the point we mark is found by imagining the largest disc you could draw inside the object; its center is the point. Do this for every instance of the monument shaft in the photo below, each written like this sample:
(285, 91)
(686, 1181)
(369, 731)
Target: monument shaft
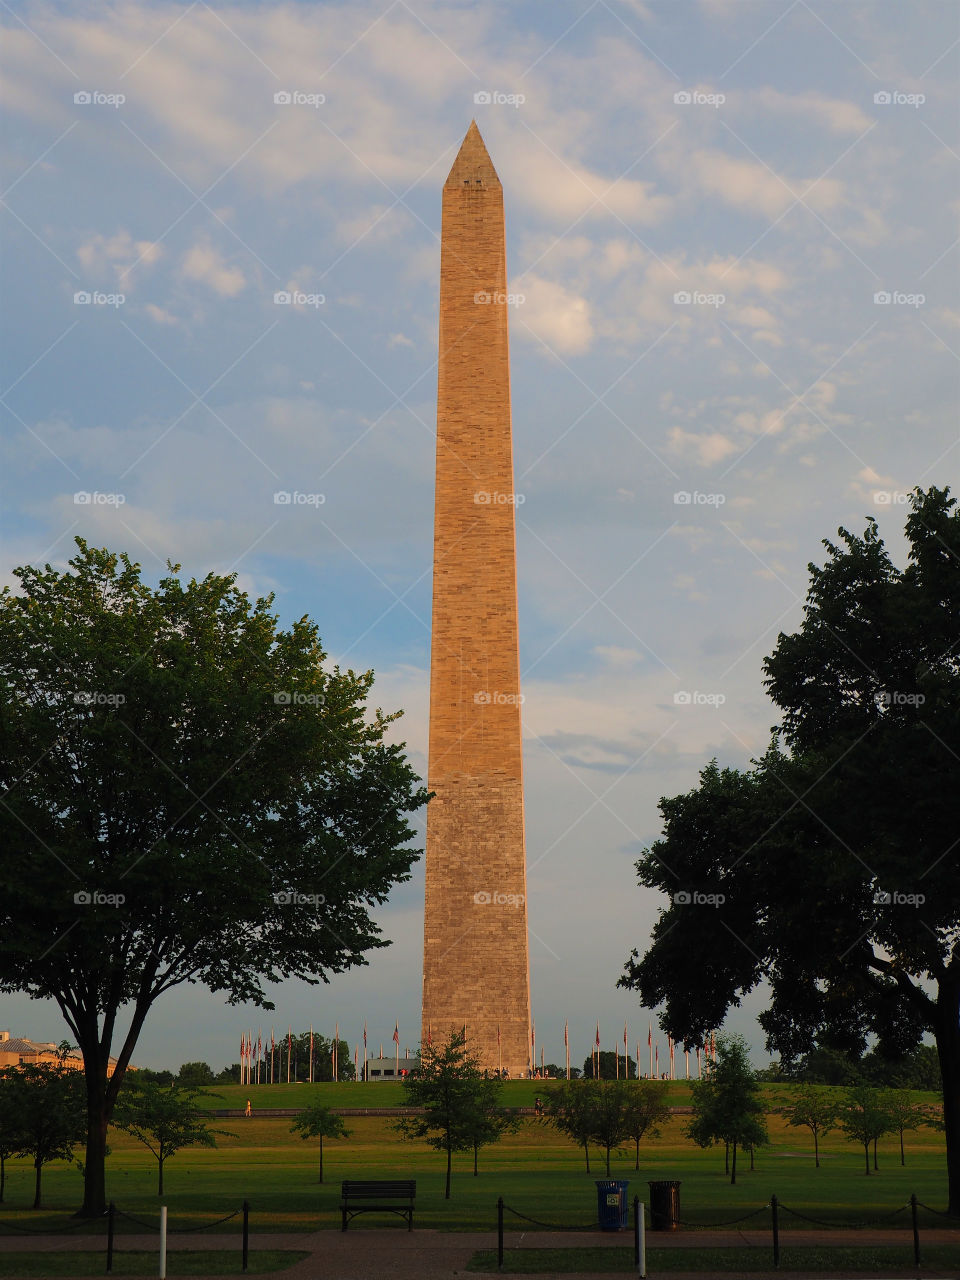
(475, 964)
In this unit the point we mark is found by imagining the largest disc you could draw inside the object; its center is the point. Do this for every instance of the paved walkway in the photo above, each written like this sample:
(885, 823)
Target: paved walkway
(397, 1254)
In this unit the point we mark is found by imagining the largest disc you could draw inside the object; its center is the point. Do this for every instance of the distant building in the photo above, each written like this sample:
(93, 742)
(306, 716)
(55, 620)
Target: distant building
(15, 1051)
(380, 1069)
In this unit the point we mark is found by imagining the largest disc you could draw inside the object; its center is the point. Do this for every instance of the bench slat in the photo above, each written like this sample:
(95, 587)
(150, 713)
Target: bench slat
(367, 1191)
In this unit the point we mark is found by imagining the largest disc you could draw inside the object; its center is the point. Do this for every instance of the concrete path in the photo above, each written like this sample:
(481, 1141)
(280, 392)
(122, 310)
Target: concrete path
(438, 1255)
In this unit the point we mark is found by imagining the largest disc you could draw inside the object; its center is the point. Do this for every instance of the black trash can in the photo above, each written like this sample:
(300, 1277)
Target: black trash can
(664, 1206)
(613, 1212)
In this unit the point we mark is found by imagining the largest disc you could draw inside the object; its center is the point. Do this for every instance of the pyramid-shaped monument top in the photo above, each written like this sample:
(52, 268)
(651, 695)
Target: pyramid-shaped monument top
(473, 165)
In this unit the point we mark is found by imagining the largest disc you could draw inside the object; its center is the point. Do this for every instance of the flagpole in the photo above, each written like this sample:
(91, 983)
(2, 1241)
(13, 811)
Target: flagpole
(336, 1053)
(686, 1054)
(566, 1044)
(310, 1064)
(289, 1036)
(650, 1049)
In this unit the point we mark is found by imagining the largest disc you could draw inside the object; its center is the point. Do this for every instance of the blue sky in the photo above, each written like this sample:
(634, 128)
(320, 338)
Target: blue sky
(781, 164)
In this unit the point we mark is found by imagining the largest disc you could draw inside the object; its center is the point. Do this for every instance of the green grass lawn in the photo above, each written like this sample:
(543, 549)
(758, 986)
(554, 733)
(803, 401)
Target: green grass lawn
(141, 1263)
(537, 1172)
(733, 1261)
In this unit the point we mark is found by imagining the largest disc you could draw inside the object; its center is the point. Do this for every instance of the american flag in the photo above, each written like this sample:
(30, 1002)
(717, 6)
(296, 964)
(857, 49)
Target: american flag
(598, 1036)
(396, 1034)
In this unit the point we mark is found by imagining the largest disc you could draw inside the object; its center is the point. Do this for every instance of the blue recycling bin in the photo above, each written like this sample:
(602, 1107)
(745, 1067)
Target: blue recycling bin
(613, 1211)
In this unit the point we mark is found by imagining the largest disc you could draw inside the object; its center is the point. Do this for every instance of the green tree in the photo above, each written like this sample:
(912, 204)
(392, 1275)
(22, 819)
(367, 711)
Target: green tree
(810, 871)
(919, 1069)
(611, 1066)
(488, 1120)
(156, 1077)
(318, 1121)
(446, 1088)
(647, 1109)
(727, 1104)
(864, 1118)
(611, 1116)
(9, 1133)
(904, 1113)
(47, 1110)
(300, 1058)
(570, 1108)
(823, 1065)
(189, 795)
(165, 1119)
(193, 1075)
(812, 1109)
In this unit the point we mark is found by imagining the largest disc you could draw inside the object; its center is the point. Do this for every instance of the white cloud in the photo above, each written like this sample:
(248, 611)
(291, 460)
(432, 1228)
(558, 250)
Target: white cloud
(617, 656)
(118, 254)
(554, 315)
(159, 315)
(205, 264)
(839, 115)
(704, 449)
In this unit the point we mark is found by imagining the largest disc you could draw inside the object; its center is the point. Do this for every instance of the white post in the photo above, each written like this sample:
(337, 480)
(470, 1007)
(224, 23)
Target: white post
(643, 1239)
(163, 1241)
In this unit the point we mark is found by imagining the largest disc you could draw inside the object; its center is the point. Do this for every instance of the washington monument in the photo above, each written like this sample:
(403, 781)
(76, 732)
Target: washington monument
(476, 970)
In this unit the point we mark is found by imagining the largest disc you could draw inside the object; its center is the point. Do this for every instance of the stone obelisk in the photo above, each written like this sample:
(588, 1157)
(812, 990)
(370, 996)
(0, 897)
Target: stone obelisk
(475, 964)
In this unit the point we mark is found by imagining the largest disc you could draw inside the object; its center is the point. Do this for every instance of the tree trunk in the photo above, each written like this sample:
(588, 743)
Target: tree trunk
(3, 1176)
(446, 1194)
(608, 1162)
(866, 1157)
(726, 1157)
(321, 1157)
(474, 1159)
(902, 1160)
(751, 1159)
(160, 1177)
(94, 1170)
(101, 1091)
(733, 1166)
(586, 1152)
(38, 1165)
(816, 1150)
(947, 1033)
(875, 1165)
(636, 1166)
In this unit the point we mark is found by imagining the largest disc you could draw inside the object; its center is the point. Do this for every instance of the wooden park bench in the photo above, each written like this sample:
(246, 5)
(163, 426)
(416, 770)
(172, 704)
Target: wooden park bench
(369, 1197)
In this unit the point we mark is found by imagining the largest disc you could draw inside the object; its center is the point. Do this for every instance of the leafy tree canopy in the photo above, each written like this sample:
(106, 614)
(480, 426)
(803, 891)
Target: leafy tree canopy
(189, 794)
(831, 869)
